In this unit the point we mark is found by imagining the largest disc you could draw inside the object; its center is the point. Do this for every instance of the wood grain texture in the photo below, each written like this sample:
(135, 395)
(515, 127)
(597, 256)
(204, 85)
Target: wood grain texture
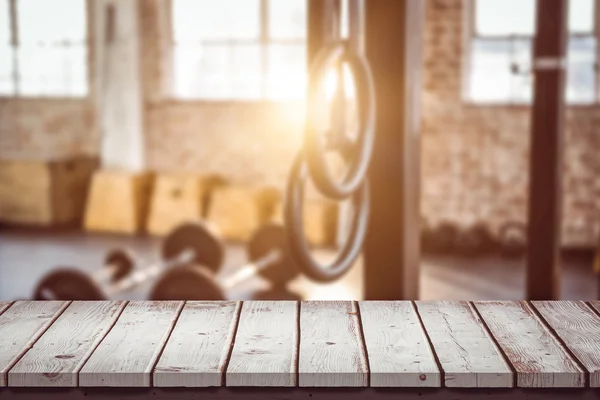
(397, 347)
(198, 349)
(536, 355)
(332, 353)
(20, 326)
(129, 352)
(466, 352)
(265, 353)
(4, 306)
(59, 354)
(579, 328)
(595, 305)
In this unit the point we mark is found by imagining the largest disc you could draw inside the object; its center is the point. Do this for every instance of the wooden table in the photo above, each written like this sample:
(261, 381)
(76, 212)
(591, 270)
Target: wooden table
(293, 350)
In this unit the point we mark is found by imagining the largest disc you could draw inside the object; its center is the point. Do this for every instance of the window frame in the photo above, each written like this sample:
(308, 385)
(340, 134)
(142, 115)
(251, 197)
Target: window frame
(470, 34)
(263, 40)
(14, 43)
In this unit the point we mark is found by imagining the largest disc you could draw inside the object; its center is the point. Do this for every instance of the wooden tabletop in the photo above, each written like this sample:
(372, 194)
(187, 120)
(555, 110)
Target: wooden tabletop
(308, 344)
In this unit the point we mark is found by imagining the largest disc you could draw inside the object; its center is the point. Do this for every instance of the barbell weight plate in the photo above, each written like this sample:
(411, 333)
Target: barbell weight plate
(124, 262)
(188, 282)
(268, 238)
(473, 240)
(198, 237)
(67, 284)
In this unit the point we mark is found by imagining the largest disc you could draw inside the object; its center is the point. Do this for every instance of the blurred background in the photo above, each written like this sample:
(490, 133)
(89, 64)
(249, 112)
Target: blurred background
(121, 119)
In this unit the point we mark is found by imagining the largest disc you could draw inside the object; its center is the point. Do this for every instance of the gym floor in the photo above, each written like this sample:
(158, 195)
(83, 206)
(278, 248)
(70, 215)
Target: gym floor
(26, 255)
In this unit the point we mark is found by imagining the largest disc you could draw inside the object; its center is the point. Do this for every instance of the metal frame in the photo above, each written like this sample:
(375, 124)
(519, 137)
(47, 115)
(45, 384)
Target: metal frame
(393, 43)
(547, 148)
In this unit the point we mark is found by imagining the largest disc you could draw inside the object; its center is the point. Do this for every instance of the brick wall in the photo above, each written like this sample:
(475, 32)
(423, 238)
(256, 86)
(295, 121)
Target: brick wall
(46, 128)
(247, 142)
(474, 158)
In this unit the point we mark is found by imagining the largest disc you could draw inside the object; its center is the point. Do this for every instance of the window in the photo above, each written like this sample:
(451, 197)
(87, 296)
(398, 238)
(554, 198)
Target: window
(501, 45)
(43, 48)
(239, 49)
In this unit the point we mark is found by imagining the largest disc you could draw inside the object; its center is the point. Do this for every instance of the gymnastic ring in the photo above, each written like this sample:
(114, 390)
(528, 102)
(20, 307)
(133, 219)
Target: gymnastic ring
(298, 245)
(314, 143)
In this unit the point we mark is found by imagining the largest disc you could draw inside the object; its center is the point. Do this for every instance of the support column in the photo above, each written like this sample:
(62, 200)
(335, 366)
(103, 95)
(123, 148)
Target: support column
(118, 84)
(546, 160)
(391, 255)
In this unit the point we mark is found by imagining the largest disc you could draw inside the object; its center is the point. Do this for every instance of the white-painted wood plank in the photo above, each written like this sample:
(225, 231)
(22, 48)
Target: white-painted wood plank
(129, 352)
(58, 355)
(397, 347)
(265, 353)
(332, 353)
(537, 356)
(20, 326)
(4, 306)
(579, 328)
(595, 305)
(197, 351)
(465, 350)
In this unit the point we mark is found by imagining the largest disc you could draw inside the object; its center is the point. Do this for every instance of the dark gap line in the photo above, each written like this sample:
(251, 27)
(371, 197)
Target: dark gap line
(591, 307)
(431, 346)
(160, 353)
(488, 331)
(29, 345)
(110, 328)
(236, 324)
(298, 333)
(561, 342)
(363, 341)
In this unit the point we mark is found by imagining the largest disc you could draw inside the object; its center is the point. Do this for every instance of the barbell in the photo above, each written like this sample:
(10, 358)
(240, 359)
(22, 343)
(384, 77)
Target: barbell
(192, 242)
(62, 283)
(269, 257)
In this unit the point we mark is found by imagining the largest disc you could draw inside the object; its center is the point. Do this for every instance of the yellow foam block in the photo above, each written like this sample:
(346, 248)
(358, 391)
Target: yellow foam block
(178, 198)
(44, 192)
(238, 211)
(118, 201)
(320, 221)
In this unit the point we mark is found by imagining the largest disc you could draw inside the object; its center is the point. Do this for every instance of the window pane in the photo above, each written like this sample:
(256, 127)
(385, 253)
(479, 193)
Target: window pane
(247, 75)
(287, 19)
(43, 21)
(505, 17)
(34, 65)
(287, 75)
(195, 20)
(521, 73)
(581, 80)
(581, 16)
(75, 73)
(4, 23)
(6, 70)
(52, 70)
(202, 71)
(490, 71)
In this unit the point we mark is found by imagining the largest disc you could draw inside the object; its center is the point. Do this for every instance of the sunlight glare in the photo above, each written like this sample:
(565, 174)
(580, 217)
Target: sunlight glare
(332, 80)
